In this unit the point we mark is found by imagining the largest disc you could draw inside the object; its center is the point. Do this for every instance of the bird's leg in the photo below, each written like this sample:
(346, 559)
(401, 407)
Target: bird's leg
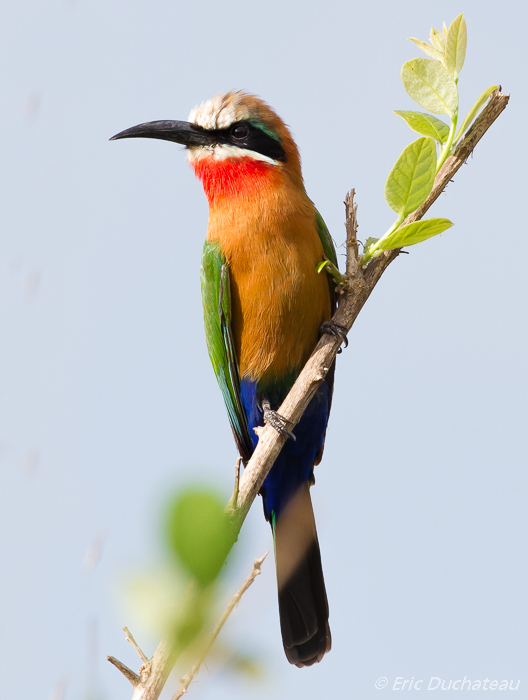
(275, 419)
(335, 329)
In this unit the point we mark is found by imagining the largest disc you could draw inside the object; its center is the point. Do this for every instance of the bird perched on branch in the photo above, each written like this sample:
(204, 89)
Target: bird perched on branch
(264, 308)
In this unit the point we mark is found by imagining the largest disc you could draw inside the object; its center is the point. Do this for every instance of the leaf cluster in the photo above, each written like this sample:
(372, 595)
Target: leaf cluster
(433, 84)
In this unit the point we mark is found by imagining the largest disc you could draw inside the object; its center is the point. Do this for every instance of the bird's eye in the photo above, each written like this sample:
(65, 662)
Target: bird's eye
(240, 131)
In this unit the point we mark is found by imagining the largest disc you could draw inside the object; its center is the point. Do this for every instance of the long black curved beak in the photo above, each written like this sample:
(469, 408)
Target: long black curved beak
(185, 133)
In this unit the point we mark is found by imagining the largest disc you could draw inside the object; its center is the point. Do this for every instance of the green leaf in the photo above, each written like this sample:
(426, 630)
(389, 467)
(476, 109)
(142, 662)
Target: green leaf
(332, 270)
(412, 177)
(369, 242)
(437, 39)
(455, 48)
(430, 85)
(425, 124)
(428, 49)
(413, 233)
(199, 533)
(474, 111)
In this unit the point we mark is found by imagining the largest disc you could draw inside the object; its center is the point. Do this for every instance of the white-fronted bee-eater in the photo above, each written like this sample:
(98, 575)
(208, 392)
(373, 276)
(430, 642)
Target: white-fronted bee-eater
(264, 306)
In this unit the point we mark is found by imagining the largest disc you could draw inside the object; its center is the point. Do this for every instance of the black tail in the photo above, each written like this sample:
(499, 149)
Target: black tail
(303, 606)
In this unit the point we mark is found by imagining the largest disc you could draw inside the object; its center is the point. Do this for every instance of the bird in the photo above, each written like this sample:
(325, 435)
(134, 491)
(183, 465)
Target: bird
(265, 307)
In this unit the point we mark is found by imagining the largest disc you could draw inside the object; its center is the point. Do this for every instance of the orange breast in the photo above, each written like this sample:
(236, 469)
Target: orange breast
(269, 238)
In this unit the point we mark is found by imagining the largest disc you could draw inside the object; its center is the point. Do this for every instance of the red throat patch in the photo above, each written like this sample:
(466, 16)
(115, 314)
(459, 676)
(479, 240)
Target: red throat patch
(232, 176)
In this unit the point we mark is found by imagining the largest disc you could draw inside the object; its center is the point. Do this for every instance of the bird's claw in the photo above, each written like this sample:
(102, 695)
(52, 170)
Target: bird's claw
(335, 329)
(276, 421)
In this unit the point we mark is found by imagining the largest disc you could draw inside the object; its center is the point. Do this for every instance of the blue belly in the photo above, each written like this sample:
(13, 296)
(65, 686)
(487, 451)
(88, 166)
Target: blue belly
(294, 464)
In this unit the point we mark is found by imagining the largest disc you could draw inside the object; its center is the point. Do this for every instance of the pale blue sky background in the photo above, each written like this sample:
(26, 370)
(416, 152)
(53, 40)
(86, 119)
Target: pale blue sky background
(107, 397)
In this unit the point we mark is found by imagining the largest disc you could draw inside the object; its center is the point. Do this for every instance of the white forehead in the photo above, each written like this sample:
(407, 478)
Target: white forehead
(219, 112)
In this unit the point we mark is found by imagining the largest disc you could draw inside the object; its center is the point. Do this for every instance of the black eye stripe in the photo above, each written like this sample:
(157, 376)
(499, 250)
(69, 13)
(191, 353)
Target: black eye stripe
(251, 138)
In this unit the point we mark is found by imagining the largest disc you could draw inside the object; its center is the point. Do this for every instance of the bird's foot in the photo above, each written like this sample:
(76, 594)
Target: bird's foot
(335, 329)
(275, 419)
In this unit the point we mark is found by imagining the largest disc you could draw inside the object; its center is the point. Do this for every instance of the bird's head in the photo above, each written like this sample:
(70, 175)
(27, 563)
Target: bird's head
(233, 141)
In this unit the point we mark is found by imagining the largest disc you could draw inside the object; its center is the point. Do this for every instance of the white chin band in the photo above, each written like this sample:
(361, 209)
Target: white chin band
(223, 151)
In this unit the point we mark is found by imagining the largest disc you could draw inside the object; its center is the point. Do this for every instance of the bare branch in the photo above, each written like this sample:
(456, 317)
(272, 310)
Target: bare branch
(234, 497)
(186, 680)
(128, 673)
(496, 105)
(354, 295)
(353, 269)
(132, 641)
(154, 674)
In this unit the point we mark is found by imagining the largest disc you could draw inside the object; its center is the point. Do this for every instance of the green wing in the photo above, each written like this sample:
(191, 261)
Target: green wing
(329, 251)
(216, 297)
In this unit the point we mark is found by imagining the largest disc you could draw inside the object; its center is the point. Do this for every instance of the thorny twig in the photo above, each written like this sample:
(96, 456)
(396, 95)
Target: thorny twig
(186, 680)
